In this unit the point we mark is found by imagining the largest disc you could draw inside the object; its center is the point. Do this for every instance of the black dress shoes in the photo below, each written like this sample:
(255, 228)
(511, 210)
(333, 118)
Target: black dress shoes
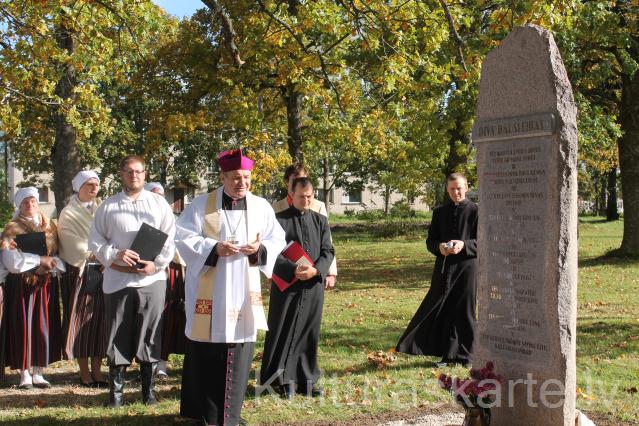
(315, 392)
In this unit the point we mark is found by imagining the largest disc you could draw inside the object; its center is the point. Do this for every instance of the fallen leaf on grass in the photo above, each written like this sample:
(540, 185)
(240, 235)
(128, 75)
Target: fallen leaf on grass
(583, 395)
(382, 359)
(39, 403)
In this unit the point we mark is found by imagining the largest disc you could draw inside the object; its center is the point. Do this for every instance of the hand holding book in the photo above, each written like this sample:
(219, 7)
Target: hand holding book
(293, 264)
(129, 257)
(305, 272)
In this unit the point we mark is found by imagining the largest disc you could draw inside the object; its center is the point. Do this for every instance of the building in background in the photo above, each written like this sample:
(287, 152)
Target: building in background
(179, 194)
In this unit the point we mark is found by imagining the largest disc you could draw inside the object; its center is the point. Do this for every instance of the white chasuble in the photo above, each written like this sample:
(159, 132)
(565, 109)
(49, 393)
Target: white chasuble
(224, 303)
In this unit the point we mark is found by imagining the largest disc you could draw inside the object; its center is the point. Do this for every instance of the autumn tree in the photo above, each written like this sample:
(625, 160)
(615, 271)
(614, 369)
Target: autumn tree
(55, 57)
(602, 47)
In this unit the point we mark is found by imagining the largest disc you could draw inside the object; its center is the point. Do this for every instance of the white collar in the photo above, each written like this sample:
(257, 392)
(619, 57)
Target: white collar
(37, 219)
(144, 195)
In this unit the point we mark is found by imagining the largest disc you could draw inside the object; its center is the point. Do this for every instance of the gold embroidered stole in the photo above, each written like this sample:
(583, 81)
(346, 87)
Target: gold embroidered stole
(201, 326)
(202, 323)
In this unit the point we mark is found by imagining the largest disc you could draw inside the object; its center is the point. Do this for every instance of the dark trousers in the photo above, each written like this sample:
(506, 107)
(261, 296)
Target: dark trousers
(214, 381)
(135, 315)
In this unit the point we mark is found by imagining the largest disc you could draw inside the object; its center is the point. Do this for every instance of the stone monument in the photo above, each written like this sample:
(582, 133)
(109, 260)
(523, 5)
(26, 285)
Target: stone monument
(526, 138)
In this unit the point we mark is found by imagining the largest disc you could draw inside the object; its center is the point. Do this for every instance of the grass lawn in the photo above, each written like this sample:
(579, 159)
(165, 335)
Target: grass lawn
(381, 284)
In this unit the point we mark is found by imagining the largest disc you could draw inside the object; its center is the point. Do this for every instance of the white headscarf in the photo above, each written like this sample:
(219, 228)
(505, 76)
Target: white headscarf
(82, 177)
(21, 194)
(154, 185)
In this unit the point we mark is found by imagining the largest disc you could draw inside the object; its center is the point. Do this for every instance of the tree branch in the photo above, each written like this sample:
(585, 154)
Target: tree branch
(338, 98)
(227, 31)
(297, 38)
(454, 34)
(29, 97)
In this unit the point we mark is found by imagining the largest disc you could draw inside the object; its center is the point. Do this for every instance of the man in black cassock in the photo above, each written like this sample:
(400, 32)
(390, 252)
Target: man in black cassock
(289, 364)
(444, 324)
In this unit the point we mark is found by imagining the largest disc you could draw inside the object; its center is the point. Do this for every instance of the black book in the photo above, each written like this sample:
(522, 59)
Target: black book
(34, 243)
(148, 242)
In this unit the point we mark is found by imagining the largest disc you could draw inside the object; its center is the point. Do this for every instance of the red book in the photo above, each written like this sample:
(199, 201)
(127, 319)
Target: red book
(294, 252)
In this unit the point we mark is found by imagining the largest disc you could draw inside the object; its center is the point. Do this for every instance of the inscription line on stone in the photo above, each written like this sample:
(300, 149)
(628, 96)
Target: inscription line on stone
(514, 128)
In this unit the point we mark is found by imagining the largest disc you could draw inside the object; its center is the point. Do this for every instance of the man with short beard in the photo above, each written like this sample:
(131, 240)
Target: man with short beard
(134, 295)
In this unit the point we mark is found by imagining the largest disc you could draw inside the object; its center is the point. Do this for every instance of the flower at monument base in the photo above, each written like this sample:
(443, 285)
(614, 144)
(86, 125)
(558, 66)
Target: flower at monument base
(478, 390)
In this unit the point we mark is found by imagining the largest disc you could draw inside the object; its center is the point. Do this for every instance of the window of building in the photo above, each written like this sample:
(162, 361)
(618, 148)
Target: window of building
(319, 195)
(178, 200)
(352, 197)
(44, 194)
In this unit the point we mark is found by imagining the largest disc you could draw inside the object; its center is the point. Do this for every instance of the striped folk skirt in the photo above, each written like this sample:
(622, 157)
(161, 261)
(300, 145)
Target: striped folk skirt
(85, 327)
(33, 334)
(173, 317)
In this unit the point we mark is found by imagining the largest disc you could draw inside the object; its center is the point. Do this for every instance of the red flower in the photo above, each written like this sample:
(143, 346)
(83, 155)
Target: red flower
(475, 388)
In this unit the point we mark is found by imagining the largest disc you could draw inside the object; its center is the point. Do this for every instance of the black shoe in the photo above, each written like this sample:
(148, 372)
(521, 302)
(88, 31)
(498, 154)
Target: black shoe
(116, 386)
(457, 361)
(441, 364)
(315, 392)
(287, 391)
(147, 373)
(100, 384)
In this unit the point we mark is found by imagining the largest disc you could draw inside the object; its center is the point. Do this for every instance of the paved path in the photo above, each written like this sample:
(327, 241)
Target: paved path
(444, 419)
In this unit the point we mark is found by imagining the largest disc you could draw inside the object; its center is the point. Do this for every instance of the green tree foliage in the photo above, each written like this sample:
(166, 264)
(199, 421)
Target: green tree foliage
(601, 48)
(366, 92)
(56, 58)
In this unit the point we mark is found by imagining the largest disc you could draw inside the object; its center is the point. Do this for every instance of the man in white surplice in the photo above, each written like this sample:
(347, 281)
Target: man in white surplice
(226, 238)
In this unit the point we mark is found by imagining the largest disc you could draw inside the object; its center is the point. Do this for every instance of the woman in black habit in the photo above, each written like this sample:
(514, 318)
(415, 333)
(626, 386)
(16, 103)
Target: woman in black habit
(444, 324)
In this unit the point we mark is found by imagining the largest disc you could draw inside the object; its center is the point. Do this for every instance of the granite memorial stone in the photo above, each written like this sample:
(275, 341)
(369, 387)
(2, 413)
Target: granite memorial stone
(526, 138)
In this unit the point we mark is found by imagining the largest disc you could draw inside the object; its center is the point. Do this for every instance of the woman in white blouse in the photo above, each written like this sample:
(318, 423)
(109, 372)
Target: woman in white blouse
(32, 309)
(84, 325)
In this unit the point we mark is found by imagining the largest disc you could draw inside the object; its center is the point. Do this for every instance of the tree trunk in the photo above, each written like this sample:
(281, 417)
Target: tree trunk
(601, 198)
(326, 190)
(386, 200)
(611, 204)
(457, 157)
(629, 162)
(5, 180)
(293, 100)
(65, 157)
